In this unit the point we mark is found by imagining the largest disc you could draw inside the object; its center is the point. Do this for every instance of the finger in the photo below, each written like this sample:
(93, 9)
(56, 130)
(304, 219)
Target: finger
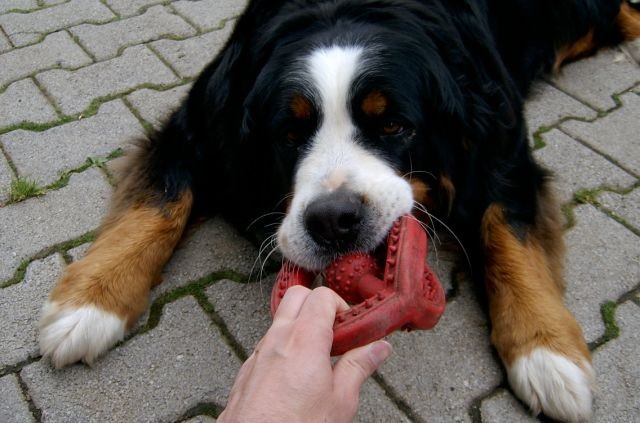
(321, 306)
(291, 303)
(356, 366)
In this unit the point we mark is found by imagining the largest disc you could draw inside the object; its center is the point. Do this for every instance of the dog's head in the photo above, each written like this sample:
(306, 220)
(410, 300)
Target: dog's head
(348, 114)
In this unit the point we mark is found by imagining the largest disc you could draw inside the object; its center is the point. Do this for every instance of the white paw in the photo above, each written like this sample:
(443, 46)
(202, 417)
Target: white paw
(70, 334)
(552, 383)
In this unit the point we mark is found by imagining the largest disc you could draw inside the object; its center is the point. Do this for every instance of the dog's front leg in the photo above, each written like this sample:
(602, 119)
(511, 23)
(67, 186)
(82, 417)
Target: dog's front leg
(99, 297)
(538, 339)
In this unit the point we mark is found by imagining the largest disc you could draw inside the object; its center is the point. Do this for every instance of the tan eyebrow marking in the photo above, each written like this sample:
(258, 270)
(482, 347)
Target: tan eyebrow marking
(374, 104)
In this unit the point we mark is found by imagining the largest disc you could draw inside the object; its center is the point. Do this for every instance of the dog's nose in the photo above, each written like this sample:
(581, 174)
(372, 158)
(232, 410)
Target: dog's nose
(334, 219)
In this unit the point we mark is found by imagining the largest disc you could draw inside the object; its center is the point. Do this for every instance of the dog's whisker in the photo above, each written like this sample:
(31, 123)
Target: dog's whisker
(262, 217)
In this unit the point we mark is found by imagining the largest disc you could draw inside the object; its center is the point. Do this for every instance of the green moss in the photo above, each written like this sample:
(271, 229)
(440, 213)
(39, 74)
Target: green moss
(586, 196)
(608, 312)
(23, 188)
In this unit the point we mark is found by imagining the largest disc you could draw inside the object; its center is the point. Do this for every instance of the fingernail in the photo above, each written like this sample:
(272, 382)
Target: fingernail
(379, 351)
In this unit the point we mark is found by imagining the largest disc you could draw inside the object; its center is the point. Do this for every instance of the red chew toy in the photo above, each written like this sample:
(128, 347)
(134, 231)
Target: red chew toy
(404, 295)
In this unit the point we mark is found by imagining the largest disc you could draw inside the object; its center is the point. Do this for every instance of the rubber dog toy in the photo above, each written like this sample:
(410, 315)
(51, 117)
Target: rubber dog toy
(403, 293)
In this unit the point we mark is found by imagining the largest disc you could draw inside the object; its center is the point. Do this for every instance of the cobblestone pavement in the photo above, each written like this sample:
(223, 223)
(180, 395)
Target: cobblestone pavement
(78, 78)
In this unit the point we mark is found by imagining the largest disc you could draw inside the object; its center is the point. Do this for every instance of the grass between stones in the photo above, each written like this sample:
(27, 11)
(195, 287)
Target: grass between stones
(23, 188)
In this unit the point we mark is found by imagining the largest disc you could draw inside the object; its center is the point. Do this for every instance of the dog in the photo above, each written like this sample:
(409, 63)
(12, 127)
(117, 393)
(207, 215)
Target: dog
(345, 115)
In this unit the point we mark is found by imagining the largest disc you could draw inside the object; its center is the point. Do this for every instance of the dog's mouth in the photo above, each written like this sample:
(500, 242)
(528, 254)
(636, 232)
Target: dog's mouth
(388, 291)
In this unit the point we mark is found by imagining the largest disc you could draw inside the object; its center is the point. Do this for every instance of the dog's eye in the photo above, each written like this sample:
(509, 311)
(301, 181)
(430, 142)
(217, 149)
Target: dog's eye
(391, 127)
(294, 137)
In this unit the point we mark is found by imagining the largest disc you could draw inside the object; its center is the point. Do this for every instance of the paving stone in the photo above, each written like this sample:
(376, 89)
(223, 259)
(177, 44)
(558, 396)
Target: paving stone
(27, 28)
(547, 104)
(632, 48)
(34, 224)
(576, 166)
(57, 49)
(504, 408)
(595, 79)
(22, 101)
(616, 134)
(212, 247)
(7, 5)
(78, 252)
(131, 7)
(42, 156)
(74, 91)
(5, 45)
(201, 419)
(13, 407)
(190, 56)
(156, 106)
(245, 310)
(6, 176)
(105, 41)
(618, 370)
(442, 371)
(156, 376)
(603, 263)
(209, 14)
(20, 306)
(626, 206)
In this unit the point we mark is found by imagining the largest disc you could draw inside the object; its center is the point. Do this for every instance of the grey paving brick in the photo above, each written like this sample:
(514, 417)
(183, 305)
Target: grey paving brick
(104, 41)
(20, 306)
(74, 91)
(5, 45)
(156, 106)
(37, 223)
(595, 79)
(618, 370)
(546, 105)
(576, 166)
(603, 263)
(213, 246)
(156, 376)
(6, 175)
(190, 56)
(616, 134)
(13, 407)
(625, 206)
(22, 101)
(442, 371)
(504, 408)
(209, 14)
(245, 310)
(7, 5)
(57, 49)
(26, 28)
(131, 7)
(632, 48)
(42, 156)
(78, 252)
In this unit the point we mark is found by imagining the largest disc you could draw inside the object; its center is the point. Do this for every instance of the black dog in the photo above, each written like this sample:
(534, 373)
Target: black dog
(363, 111)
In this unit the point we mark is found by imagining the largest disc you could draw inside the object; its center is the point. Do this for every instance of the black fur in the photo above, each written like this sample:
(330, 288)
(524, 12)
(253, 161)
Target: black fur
(456, 70)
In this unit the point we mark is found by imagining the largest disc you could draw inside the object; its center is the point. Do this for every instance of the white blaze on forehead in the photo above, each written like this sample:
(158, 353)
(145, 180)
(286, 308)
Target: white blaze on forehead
(333, 70)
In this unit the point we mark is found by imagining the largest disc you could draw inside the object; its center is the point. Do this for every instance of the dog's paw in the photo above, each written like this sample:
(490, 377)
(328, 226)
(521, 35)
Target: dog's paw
(70, 334)
(552, 383)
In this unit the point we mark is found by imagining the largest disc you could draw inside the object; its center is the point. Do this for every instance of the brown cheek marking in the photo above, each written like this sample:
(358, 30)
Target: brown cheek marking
(525, 302)
(449, 191)
(374, 104)
(126, 260)
(629, 22)
(421, 192)
(301, 107)
(583, 47)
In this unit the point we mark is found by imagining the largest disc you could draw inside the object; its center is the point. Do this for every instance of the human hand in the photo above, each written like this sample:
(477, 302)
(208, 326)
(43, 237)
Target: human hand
(289, 376)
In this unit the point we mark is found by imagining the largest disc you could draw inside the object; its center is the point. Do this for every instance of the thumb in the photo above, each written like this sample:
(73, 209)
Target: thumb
(357, 365)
